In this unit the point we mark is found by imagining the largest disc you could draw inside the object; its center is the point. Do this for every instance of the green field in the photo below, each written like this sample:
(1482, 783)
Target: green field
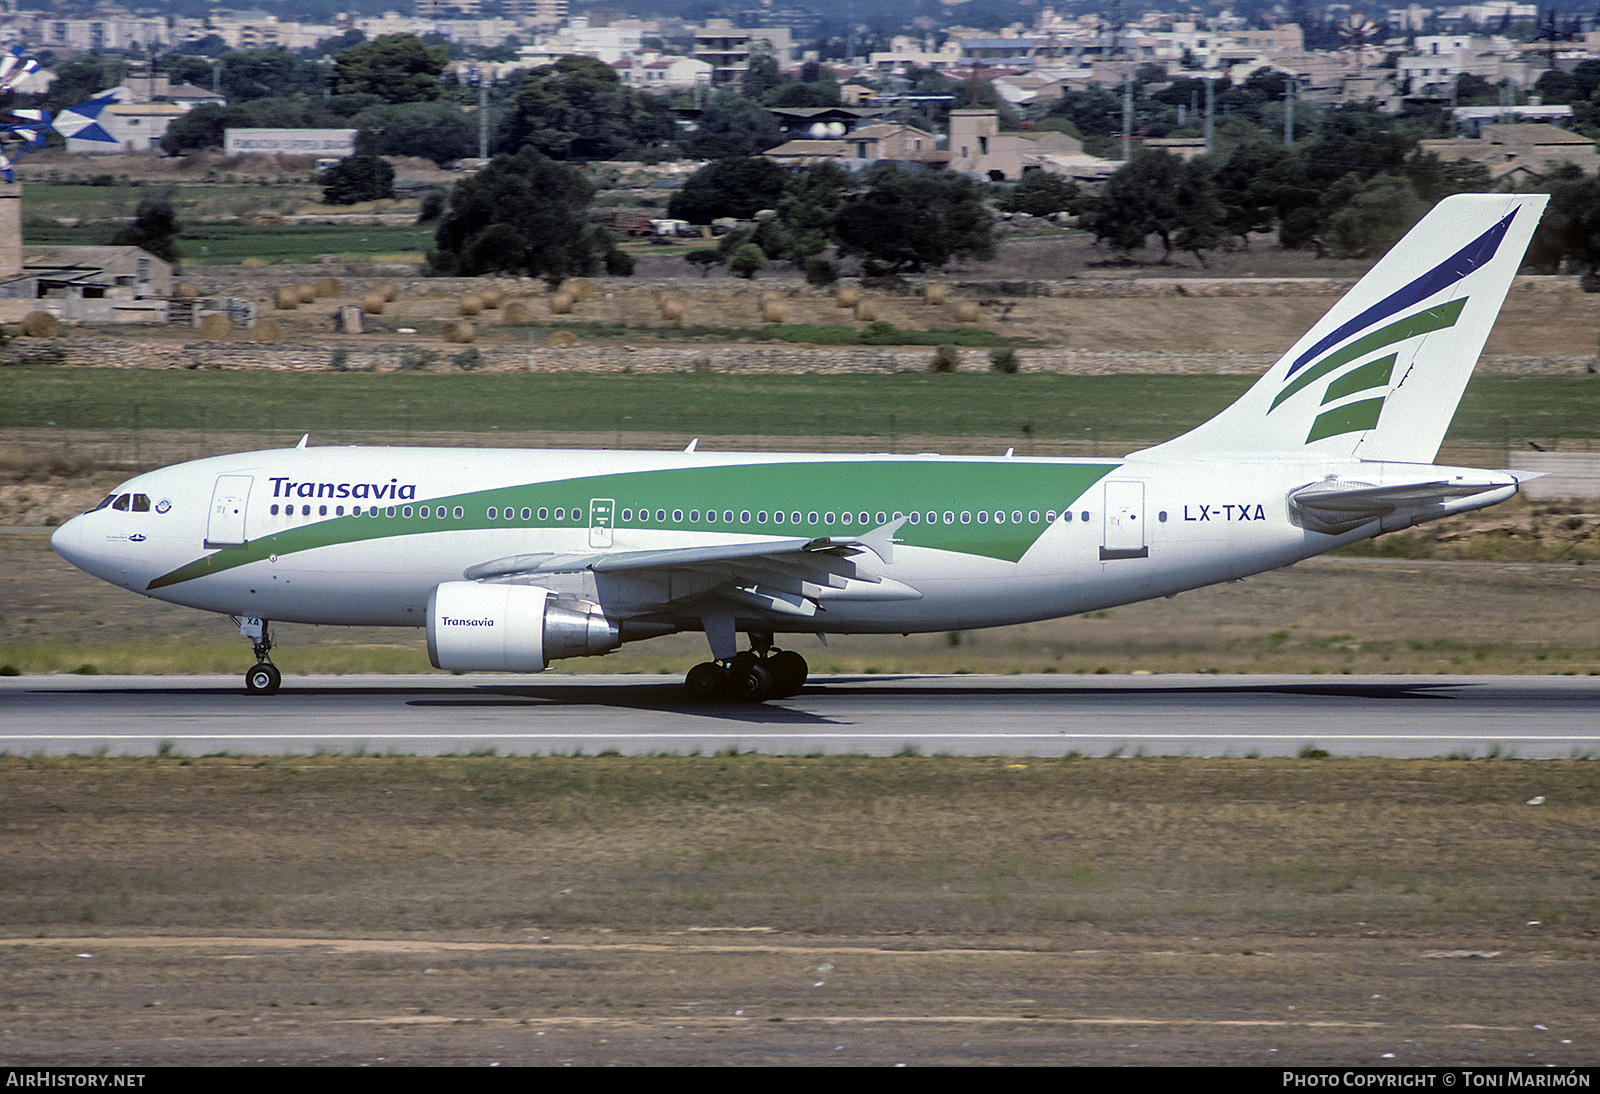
(231, 244)
(1498, 412)
(102, 210)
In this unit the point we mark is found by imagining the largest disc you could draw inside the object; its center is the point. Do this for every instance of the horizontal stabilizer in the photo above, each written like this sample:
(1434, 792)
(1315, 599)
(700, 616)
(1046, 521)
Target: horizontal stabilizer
(1339, 505)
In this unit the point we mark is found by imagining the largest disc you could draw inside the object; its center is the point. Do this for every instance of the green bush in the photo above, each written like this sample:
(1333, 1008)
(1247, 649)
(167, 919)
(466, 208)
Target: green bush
(819, 271)
(945, 359)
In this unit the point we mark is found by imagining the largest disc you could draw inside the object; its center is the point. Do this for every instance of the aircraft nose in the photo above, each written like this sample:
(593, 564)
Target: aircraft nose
(67, 541)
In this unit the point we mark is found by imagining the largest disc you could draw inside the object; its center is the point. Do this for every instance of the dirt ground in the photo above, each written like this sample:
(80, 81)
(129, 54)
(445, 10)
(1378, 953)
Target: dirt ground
(1554, 319)
(751, 910)
(749, 997)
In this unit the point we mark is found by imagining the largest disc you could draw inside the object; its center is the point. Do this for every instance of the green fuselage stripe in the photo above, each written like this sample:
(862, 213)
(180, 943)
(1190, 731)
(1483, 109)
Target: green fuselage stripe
(822, 488)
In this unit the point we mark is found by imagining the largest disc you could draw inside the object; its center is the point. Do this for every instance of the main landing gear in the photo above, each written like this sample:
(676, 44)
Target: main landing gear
(264, 678)
(758, 674)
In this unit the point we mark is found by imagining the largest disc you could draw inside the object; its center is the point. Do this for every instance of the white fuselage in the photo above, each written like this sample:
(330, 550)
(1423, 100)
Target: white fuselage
(1010, 540)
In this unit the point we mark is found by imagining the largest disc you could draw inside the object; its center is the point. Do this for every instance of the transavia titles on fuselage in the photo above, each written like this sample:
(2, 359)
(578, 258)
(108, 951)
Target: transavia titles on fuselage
(511, 559)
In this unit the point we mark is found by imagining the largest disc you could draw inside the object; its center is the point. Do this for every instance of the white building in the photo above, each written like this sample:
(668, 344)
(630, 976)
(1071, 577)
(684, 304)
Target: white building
(656, 72)
(325, 143)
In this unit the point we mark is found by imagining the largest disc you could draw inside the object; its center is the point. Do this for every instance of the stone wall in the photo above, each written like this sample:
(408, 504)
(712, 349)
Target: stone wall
(358, 278)
(765, 358)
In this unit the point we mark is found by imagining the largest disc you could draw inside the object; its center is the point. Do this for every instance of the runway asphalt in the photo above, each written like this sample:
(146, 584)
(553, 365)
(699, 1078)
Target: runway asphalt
(1530, 717)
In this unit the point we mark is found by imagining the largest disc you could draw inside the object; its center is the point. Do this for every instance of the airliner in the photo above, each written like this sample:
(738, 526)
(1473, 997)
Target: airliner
(511, 559)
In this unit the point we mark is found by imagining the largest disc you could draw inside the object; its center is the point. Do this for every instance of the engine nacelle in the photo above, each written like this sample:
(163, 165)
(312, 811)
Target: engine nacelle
(511, 628)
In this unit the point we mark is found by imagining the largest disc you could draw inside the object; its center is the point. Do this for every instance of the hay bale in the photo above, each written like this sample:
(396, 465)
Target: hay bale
(40, 324)
(561, 304)
(187, 290)
(516, 314)
(329, 288)
(215, 328)
(266, 330)
(287, 299)
(471, 304)
(848, 297)
(307, 293)
(389, 289)
(935, 295)
(492, 299)
(372, 303)
(457, 331)
(561, 339)
(581, 289)
(867, 311)
(967, 313)
(774, 312)
(672, 311)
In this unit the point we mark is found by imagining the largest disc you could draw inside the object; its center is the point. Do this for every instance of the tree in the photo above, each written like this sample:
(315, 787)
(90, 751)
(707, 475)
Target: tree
(524, 214)
(729, 188)
(397, 67)
(910, 221)
(1244, 185)
(202, 127)
(1369, 216)
(437, 131)
(155, 227)
(748, 261)
(358, 178)
(806, 213)
(732, 126)
(761, 73)
(80, 79)
(705, 259)
(1570, 229)
(183, 69)
(578, 109)
(1138, 201)
(267, 74)
(1039, 194)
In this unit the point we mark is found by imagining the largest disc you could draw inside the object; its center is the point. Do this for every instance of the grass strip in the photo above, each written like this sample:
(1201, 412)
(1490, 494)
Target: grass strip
(845, 845)
(1498, 411)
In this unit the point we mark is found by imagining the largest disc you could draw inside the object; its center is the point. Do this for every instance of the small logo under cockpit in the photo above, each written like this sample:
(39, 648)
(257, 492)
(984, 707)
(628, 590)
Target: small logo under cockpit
(163, 505)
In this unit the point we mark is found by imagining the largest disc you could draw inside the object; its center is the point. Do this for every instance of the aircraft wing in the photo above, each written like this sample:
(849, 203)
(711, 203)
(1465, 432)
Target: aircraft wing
(793, 576)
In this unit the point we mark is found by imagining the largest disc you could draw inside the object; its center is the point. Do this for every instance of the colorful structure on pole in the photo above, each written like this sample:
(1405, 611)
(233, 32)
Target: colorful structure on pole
(21, 130)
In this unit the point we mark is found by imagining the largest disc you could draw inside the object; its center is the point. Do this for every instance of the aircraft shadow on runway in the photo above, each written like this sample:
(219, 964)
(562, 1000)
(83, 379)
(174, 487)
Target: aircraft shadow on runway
(671, 697)
(664, 697)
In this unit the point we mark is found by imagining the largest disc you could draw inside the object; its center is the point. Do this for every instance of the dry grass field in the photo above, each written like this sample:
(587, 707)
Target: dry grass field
(743, 909)
(1546, 322)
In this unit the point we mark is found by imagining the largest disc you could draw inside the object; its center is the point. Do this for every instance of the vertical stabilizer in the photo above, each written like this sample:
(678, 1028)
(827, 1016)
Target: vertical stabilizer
(1380, 375)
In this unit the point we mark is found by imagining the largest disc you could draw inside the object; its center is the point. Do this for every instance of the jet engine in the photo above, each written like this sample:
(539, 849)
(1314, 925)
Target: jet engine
(512, 628)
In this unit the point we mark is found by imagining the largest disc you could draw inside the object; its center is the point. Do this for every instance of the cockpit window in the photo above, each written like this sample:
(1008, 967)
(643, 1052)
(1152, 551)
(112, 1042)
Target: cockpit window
(121, 502)
(141, 503)
(109, 498)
